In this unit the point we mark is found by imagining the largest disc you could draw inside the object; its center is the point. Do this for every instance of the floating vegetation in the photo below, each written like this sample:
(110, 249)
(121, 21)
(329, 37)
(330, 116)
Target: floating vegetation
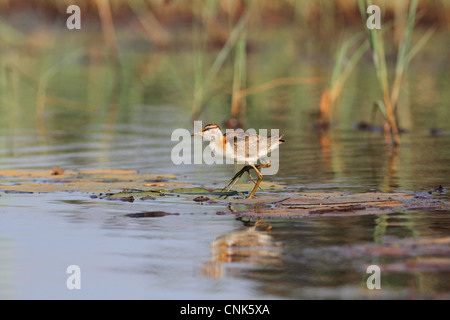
(130, 185)
(97, 181)
(150, 214)
(297, 205)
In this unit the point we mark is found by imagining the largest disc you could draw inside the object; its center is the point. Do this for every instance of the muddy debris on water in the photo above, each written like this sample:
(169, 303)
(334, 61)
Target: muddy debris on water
(150, 214)
(201, 199)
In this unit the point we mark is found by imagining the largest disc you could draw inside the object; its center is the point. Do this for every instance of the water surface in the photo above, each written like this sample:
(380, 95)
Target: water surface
(86, 124)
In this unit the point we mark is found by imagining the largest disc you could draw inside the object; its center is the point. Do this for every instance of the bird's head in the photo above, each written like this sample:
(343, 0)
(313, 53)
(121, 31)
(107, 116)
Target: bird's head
(209, 131)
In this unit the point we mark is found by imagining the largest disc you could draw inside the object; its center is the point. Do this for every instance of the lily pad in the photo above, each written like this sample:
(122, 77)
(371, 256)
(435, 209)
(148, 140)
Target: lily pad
(264, 185)
(135, 194)
(98, 181)
(337, 203)
(190, 190)
(130, 185)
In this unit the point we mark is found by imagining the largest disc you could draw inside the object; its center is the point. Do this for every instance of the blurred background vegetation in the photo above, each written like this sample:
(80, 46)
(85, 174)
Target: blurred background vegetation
(290, 64)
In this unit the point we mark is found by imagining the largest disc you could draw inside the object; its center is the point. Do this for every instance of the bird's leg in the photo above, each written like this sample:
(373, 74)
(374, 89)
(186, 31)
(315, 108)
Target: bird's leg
(236, 178)
(257, 183)
(246, 168)
(265, 165)
(239, 174)
(268, 164)
(251, 177)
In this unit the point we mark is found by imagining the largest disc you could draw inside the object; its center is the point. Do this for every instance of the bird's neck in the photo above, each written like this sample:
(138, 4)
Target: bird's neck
(216, 141)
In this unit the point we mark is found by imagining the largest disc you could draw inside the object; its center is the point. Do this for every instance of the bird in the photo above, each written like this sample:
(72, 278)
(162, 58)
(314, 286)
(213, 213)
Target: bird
(243, 147)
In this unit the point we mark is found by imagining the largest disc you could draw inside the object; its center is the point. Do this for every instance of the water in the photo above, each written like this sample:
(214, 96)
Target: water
(174, 257)
(87, 125)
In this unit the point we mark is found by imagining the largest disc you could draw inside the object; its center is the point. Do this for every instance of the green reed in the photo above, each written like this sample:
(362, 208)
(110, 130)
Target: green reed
(389, 103)
(342, 69)
(204, 81)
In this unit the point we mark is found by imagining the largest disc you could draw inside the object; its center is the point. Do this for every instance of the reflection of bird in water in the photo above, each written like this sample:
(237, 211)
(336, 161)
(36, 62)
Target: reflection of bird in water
(243, 246)
(243, 147)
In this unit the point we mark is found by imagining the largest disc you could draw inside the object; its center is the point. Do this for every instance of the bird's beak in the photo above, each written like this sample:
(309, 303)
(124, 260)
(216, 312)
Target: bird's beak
(196, 134)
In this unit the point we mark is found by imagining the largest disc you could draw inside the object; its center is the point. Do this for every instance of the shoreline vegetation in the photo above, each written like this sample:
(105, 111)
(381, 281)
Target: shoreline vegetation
(179, 14)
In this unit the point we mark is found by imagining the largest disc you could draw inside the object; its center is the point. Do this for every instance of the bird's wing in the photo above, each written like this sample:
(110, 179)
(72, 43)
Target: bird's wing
(243, 141)
(252, 143)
